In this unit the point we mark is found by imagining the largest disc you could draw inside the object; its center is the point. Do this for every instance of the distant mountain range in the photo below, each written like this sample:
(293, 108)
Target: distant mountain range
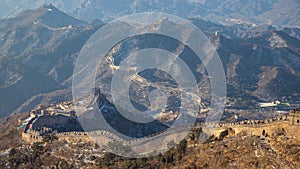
(38, 49)
(284, 13)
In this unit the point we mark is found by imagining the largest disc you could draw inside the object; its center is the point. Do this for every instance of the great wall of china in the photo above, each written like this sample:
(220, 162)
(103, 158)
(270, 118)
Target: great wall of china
(289, 124)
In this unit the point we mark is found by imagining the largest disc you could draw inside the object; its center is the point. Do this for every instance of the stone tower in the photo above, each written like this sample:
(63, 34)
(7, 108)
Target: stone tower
(294, 117)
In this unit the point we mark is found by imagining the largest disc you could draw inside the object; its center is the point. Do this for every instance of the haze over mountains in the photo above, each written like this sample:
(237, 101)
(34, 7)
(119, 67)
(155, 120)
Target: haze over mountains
(283, 13)
(38, 48)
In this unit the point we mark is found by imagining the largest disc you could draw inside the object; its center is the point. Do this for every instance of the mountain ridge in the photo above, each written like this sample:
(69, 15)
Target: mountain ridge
(280, 13)
(47, 48)
(247, 53)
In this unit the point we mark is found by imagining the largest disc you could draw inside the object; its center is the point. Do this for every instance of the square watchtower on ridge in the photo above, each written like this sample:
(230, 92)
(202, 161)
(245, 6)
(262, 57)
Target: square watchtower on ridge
(294, 117)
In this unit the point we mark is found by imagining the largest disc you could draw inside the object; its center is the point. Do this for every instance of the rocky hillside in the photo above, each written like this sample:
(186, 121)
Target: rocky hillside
(265, 66)
(261, 63)
(37, 54)
(229, 151)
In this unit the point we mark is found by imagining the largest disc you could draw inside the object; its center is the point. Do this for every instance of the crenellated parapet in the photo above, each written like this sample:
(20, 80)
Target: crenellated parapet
(32, 137)
(255, 122)
(289, 124)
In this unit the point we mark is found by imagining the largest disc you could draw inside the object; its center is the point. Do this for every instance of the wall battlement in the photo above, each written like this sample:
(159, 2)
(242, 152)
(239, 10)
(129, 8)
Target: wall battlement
(288, 124)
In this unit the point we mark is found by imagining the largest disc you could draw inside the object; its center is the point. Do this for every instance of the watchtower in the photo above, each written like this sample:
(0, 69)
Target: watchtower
(294, 117)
